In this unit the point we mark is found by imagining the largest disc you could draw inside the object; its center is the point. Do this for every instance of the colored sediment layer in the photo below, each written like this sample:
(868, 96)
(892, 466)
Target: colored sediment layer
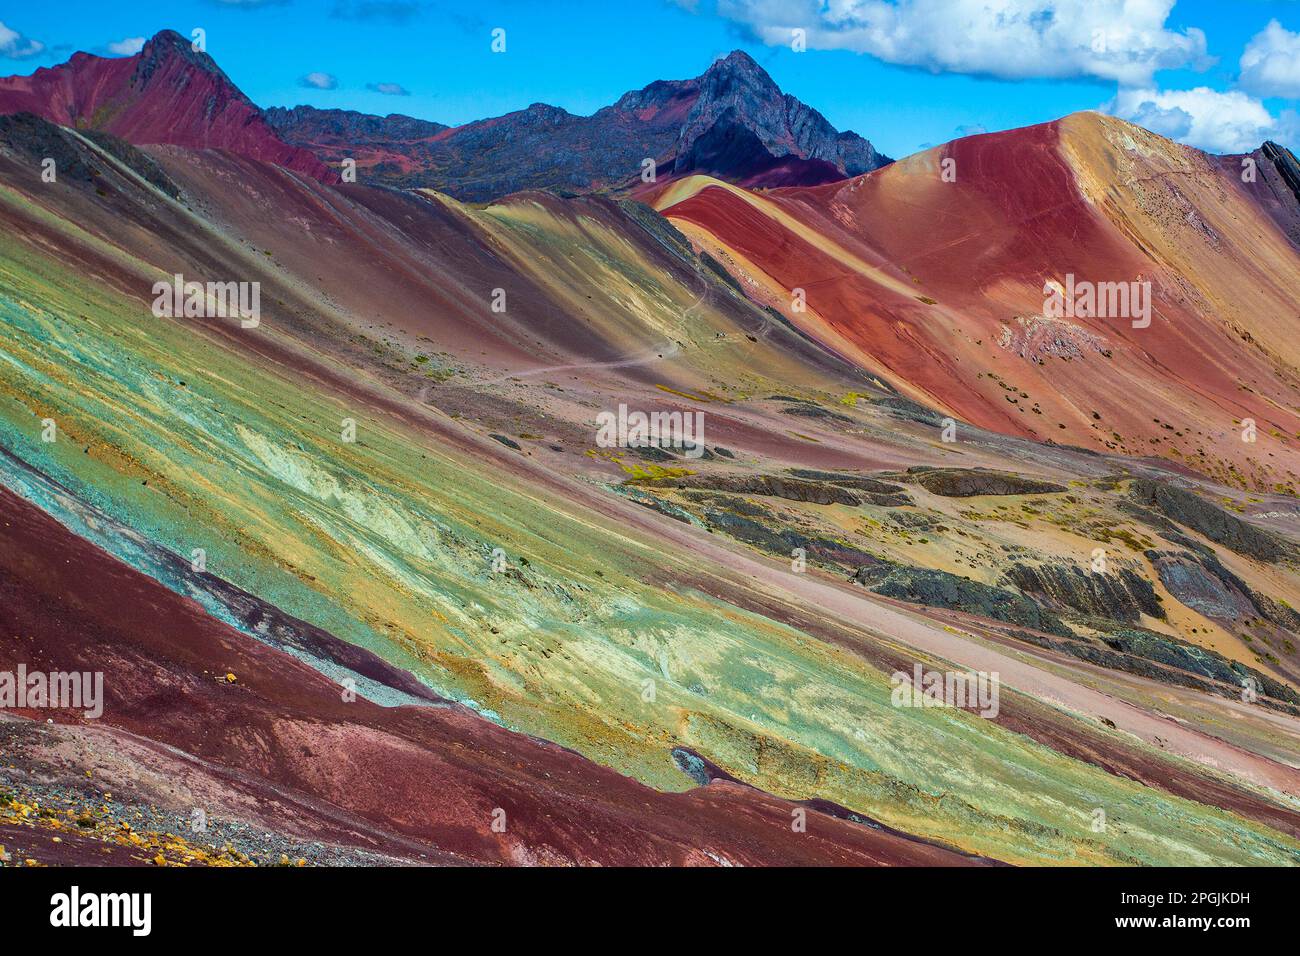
(933, 272)
(267, 740)
(389, 542)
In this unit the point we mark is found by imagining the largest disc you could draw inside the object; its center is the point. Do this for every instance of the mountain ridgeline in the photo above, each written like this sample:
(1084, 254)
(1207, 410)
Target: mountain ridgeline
(733, 122)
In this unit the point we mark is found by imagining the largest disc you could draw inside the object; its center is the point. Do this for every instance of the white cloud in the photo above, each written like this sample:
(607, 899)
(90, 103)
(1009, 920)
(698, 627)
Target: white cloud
(15, 46)
(388, 89)
(1214, 120)
(127, 47)
(1121, 40)
(1270, 64)
(319, 81)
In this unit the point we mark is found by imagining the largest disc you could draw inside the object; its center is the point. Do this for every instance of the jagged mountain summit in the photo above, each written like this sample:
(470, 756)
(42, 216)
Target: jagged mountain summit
(167, 93)
(733, 122)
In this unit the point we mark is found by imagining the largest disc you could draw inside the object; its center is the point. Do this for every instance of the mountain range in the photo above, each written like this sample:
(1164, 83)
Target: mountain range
(366, 586)
(732, 122)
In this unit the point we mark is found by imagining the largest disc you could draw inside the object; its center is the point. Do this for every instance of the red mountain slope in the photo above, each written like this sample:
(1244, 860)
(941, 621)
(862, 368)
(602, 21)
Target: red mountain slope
(166, 93)
(939, 282)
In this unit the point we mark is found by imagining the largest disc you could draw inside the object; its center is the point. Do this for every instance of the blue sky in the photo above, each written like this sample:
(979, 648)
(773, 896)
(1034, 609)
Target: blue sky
(903, 73)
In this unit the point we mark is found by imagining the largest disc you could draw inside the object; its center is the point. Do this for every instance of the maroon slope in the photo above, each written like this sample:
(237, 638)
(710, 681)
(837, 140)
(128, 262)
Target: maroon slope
(407, 781)
(166, 93)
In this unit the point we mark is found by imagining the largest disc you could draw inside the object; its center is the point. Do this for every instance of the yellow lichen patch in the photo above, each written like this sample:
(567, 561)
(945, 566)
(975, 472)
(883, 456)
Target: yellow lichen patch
(655, 471)
(92, 822)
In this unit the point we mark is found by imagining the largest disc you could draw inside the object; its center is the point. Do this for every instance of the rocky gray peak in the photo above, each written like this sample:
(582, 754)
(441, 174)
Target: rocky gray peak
(732, 122)
(738, 93)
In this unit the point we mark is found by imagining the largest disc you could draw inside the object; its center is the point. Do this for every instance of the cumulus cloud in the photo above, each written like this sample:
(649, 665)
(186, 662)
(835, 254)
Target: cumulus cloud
(319, 81)
(1270, 64)
(388, 89)
(1219, 121)
(126, 47)
(1121, 40)
(15, 46)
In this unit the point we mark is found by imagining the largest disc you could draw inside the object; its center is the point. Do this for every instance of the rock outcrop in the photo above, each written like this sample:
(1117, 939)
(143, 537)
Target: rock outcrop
(776, 486)
(940, 589)
(969, 482)
(1121, 596)
(1192, 511)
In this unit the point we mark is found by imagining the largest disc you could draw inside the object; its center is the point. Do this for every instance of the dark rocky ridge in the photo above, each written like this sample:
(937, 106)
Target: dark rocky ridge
(943, 590)
(1123, 596)
(846, 480)
(1276, 184)
(732, 122)
(1201, 582)
(780, 541)
(971, 482)
(310, 122)
(1196, 513)
(910, 411)
(1284, 162)
(775, 486)
(1167, 659)
(1220, 596)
